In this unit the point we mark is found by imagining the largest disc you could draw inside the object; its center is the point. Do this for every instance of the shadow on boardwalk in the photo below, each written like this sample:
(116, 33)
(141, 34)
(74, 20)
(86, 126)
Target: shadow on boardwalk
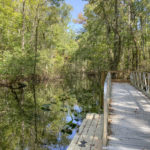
(130, 119)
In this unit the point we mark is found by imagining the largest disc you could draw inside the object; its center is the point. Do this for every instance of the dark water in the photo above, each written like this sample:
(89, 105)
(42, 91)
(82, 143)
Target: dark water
(46, 116)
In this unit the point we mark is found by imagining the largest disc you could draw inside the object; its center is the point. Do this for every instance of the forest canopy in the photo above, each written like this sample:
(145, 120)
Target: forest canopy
(116, 35)
(36, 39)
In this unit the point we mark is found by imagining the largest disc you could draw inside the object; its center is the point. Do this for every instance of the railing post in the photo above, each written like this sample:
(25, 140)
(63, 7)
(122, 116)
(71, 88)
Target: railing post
(131, 77)
(141, 80)
(107, 96)
(148, 82)
(144, 82)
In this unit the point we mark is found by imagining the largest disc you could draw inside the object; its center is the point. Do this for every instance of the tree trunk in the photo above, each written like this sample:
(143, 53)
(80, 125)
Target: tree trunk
(36, 40)
(117, 40)
(23, 24)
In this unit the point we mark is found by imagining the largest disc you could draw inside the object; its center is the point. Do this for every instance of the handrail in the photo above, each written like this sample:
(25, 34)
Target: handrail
(107, 97)
(120, 76)
(141, 80)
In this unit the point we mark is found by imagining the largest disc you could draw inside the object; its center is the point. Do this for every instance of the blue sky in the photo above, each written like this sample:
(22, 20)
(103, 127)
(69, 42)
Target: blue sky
(78, 6)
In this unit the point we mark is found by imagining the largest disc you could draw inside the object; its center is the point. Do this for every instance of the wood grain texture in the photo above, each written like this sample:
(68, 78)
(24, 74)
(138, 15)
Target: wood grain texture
(90, 132)
(130, 119)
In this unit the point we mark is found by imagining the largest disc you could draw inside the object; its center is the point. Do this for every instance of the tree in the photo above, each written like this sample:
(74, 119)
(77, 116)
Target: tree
(120, 29)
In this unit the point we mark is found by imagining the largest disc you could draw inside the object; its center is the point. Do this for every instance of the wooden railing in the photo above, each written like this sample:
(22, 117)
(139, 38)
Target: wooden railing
(141, 80)
(107, 97)
(120, 76)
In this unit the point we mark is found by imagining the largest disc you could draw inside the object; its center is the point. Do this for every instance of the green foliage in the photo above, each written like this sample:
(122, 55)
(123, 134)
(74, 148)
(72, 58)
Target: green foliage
(115, 36)
(45, 112)
(35, 38)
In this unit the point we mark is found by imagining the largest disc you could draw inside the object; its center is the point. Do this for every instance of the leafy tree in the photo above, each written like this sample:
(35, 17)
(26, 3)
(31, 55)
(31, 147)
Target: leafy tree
(117, 33)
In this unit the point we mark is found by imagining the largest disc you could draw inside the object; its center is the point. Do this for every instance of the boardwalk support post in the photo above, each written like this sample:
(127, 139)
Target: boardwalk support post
(107, 97)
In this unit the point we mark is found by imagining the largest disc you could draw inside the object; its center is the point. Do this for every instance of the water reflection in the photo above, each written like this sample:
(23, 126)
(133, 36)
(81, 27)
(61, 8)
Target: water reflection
(46, 116)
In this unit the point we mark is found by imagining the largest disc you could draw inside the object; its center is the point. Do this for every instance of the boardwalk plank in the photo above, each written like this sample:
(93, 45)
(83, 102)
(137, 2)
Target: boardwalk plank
(88, 137)
(130, 124)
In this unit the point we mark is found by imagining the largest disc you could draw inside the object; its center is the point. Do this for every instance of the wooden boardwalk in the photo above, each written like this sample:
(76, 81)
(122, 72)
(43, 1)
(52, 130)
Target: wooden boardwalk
(129, 119)
(128, 112)
(89, 134)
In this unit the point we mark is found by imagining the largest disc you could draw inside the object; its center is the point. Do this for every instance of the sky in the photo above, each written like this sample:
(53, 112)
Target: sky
(78, 6)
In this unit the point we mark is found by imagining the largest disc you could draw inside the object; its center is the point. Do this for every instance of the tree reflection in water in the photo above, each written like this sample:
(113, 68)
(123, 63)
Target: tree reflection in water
(46, 116)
